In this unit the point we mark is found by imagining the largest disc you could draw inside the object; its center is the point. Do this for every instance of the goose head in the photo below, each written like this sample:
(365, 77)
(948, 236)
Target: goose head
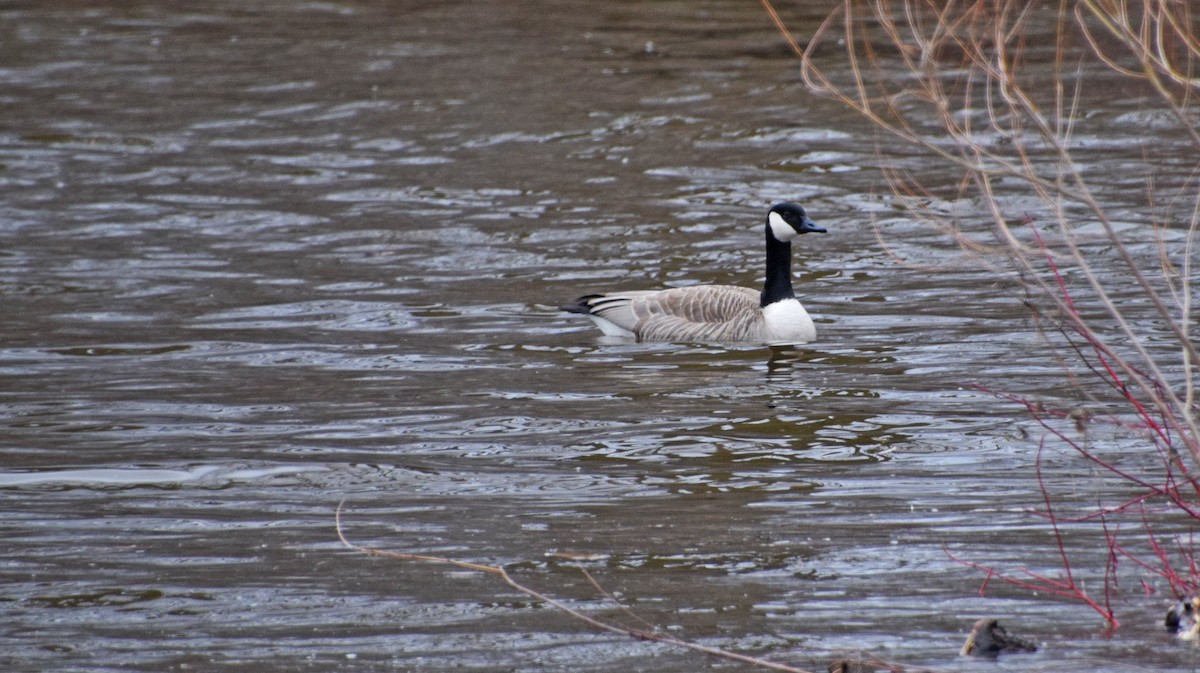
(786, 220)
(1181, 618)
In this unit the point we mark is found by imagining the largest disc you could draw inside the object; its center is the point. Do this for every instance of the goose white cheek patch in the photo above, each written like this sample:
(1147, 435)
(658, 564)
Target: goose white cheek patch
(779, 227)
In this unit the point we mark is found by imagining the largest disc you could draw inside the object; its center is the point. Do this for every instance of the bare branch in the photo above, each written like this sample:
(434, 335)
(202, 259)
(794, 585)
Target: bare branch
(496, 571)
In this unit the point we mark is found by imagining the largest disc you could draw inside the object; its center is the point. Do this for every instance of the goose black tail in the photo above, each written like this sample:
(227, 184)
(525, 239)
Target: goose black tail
(581, 305)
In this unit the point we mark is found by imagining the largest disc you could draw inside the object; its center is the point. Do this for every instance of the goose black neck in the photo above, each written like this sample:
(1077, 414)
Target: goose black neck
(779, 271)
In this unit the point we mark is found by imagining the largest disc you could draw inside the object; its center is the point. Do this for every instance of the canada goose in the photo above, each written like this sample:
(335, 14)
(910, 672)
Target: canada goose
(716, 312)
(1181, 618)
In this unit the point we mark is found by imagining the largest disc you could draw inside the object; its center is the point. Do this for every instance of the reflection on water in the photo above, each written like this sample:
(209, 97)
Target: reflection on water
(210, 476)
(254, 262)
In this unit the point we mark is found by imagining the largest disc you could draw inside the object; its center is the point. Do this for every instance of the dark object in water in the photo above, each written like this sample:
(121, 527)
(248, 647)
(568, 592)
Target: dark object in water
(859, 665)
(989, 639)
(1181, 618)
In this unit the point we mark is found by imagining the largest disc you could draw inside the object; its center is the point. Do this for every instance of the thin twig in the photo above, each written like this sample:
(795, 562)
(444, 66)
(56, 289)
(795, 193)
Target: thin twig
(954, 79)
(497, 571)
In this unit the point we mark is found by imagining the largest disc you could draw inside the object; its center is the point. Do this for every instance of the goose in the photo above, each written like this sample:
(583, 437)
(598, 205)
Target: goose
(716, 313)
(1181, 618)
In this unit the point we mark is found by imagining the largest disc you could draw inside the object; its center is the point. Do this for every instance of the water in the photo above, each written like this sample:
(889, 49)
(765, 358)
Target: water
(257, 261)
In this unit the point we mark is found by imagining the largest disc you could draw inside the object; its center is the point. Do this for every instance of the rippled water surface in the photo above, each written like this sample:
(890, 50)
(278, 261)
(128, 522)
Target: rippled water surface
(259, 258)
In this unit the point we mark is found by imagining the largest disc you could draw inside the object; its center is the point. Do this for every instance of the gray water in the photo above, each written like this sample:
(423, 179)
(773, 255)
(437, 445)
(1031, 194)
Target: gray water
(259, 258)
